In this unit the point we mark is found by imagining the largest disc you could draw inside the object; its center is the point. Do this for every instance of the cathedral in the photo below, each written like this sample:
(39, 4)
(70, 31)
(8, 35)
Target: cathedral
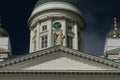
(56, 47)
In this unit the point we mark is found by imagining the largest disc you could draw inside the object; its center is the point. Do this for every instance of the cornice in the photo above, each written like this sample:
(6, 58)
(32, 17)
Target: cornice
(62, 72)
(52, 18)
(36, 17)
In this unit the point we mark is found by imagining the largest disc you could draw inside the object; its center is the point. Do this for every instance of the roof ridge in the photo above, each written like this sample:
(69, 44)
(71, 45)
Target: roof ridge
(63, 49)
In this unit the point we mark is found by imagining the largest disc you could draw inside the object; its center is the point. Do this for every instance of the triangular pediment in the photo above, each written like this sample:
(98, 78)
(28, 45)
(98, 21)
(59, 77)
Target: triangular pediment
(59, 58)
(66, 63)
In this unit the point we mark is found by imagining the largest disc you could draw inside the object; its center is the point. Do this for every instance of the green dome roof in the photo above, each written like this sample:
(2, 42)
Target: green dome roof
(40, 2)
(114, 33)
(3, 32)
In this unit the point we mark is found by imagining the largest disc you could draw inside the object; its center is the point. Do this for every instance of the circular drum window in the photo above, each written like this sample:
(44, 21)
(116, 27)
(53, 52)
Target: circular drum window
(57, 25)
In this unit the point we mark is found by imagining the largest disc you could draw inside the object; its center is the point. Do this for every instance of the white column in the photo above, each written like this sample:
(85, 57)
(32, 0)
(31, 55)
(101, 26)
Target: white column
(50, 33)
(31, 43)
(75, 41)
(37, 37)
(64, 25)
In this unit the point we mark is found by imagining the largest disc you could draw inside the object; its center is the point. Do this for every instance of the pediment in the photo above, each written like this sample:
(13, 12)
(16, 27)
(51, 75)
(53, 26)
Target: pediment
(59, 58)
(67, 63)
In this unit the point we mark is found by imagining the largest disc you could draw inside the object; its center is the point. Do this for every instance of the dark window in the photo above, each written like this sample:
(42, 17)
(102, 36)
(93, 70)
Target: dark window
(44, 28)
(69, 42)
(44, 41)
(69, 28)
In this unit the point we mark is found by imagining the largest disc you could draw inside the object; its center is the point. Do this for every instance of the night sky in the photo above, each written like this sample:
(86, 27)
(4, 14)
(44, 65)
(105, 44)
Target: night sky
(98, 14)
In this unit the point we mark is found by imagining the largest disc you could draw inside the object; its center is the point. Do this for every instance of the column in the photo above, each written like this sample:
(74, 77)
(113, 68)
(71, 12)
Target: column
(50, 32)
(64, 26)
(38, 36)
(31, 43)
(75, 45)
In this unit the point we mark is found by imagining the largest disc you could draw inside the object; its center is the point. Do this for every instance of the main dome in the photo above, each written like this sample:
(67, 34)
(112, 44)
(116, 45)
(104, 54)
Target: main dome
(46, 8)
(40, 2)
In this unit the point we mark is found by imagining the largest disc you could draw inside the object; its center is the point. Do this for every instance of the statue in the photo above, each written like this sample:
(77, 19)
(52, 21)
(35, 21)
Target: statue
(58, 38)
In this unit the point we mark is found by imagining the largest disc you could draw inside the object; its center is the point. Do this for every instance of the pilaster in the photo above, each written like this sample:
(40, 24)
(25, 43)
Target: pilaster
(64, 27)
(75, 41)
(37, 36)
(50, 32)
(31, 43)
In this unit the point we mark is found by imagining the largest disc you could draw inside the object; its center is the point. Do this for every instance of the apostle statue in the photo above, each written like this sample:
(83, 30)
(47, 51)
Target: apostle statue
(58, 38)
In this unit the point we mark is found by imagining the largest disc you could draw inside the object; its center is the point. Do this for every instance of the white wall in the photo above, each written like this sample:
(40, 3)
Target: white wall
(64, 63)
(4, 42)
(112, 44)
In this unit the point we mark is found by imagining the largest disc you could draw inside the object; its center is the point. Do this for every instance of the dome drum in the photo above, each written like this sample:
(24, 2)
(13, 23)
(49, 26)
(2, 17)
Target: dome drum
(46, 18)
(53, 8)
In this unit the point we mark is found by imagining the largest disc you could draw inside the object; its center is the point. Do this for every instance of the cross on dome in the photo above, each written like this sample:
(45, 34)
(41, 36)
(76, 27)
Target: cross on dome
(115, 23)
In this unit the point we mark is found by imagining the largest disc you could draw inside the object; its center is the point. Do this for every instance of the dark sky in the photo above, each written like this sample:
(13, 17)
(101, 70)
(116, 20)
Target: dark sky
(98, 14)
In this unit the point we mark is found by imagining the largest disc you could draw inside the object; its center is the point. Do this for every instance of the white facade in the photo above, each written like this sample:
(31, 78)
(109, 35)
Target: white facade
(59, 63)
(55, 44)
(64, 63)
(5, 48)
(66, 15)
(5, 43)
(112, 43)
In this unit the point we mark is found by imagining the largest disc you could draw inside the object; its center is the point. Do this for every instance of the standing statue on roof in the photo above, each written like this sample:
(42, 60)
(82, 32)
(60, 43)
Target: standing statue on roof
(58, 38)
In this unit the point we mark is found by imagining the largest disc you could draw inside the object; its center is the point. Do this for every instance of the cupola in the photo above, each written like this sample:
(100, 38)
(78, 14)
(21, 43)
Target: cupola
(56, 23)
(112, 44)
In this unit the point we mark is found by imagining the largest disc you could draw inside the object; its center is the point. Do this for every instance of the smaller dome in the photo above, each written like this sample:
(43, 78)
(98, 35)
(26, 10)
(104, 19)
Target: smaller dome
(114, 34)
(3, 32)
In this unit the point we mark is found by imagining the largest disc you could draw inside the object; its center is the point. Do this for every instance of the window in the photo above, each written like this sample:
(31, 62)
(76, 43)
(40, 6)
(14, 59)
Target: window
(44, 41)
(44, 28)
(69, 42)
(69, 28)
(57, 26)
